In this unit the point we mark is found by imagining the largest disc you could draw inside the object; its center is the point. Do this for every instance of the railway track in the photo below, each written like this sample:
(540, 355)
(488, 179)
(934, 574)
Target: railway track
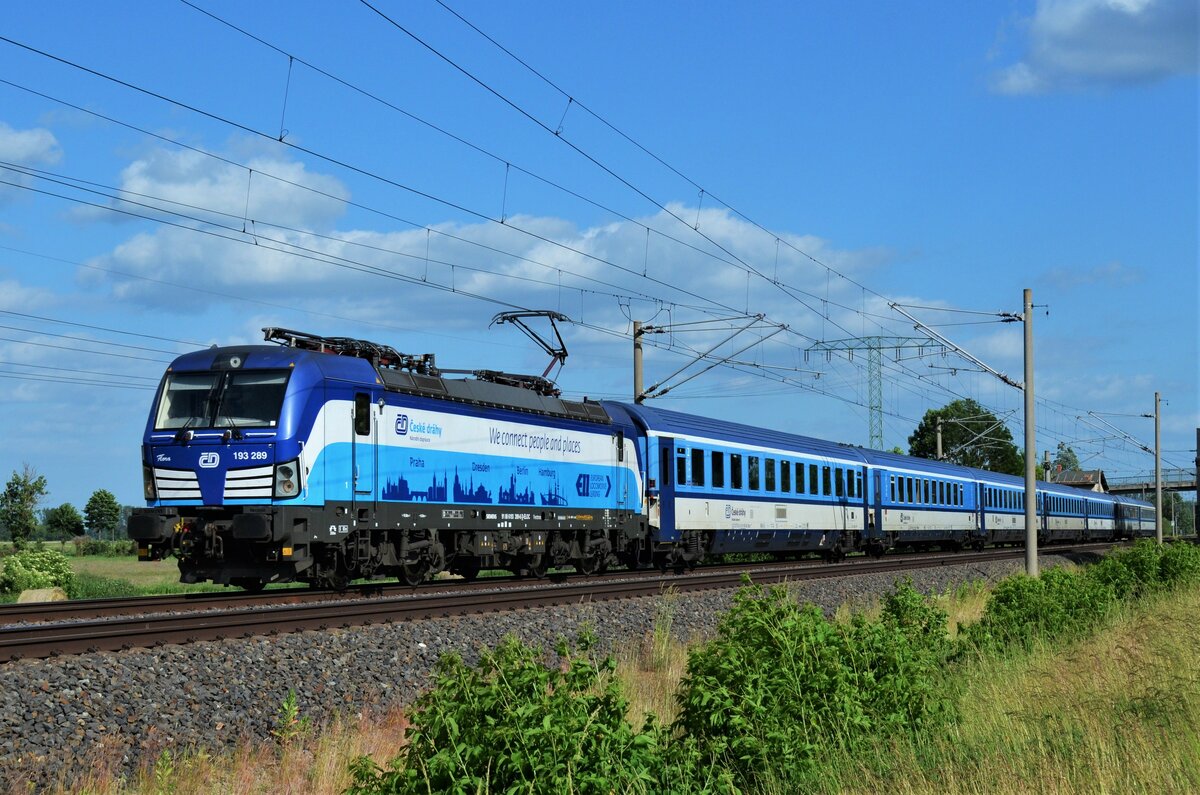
(120, 624)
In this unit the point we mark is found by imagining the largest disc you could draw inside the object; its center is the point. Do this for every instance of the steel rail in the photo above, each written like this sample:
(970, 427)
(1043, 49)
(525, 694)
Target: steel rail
(121, 633)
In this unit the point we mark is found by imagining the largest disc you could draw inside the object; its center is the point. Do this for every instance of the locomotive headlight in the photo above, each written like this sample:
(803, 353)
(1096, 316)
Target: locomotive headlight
(148, 482)
(287, 480)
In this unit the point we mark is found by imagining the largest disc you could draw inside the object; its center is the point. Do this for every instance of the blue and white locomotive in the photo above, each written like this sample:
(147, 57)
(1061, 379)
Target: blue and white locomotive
(325, 459)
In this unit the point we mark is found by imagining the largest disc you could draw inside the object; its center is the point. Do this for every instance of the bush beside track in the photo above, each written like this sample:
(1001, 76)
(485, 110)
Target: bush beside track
(764, 704)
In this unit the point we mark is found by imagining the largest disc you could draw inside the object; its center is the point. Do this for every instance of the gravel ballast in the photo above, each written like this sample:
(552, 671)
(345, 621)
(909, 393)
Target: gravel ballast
(210, 696)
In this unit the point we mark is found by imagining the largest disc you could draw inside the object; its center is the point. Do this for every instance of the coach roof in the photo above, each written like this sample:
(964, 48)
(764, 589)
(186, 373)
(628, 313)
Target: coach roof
(676, 423)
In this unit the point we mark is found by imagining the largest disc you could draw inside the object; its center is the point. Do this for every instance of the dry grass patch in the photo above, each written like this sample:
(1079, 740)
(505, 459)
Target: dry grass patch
(313, 762)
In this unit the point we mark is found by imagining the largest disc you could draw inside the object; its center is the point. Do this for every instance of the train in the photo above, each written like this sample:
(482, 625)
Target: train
(332, 459)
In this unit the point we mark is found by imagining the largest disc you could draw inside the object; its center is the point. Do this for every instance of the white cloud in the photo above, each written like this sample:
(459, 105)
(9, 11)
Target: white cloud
(1111, 274)
(28, 147)
(32, 147)
(1081, 43)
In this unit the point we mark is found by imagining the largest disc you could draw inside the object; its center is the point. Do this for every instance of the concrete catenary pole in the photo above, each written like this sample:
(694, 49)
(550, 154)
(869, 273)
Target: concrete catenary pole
(1158, 517)
(939, 439)
(1031, 529)
(637, 361)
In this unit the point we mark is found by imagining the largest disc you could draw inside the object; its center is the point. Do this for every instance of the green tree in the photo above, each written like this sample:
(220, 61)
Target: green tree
(1065, 459)
(18, 504)
(63, 521)
(971, 436)
(103, 514)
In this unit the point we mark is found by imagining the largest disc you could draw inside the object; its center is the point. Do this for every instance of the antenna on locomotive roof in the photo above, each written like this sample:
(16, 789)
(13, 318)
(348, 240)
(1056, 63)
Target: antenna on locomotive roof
(558, 352)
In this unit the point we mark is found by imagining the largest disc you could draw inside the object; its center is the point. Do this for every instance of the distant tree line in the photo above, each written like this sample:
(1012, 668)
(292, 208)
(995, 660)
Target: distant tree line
(22, 520)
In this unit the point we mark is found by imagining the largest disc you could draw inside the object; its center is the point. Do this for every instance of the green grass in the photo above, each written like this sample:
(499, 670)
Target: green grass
(1116, 712)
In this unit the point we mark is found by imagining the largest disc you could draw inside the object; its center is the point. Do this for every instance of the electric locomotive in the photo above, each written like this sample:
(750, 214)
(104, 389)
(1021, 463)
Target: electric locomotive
(326, 459)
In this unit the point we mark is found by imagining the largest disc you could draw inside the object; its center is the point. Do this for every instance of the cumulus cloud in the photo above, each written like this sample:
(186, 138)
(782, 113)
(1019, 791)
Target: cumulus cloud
(295, 252)
(1112, 274)
(28, 147)
(31, 147)
(1082, 43)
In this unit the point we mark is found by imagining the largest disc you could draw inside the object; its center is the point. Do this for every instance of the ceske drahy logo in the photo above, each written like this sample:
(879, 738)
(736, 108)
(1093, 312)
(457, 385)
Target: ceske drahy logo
(402, 425)
(209, 460)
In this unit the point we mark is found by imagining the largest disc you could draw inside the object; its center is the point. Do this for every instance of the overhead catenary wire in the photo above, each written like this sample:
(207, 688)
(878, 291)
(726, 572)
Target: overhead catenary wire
(872, 293)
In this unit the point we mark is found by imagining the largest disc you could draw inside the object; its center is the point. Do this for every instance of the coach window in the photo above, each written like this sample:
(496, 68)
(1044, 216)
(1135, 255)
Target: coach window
(769, 463)
(892, 486)
(718, 469)
(697, 466)
(362, 414)
(681, 466)
(826, 481)
(858, 484)
(812, 480)
(754, 473)
(849, 483)
(925, 491)
(735, 474)
(958, 494)
(941, 493)
(911, 490)
(785, 476)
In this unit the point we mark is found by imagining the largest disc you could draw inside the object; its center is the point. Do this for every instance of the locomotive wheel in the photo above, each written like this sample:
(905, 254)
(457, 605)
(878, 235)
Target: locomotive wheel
(535, 566)
(468, 570)
(414, 573)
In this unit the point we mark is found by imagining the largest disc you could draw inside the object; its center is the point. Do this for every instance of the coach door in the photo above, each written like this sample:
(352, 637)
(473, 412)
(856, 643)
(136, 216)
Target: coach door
(666, 489)
(875, 526)
(363, 438)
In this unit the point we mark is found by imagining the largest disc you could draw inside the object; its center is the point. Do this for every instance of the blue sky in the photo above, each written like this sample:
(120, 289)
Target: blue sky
(806, 162)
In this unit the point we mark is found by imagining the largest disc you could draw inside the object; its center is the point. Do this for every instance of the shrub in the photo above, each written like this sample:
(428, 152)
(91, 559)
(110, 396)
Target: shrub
(86, 545)
(32, 569)
(780, 683)
(1062, 604)
(512, 724)
(1180, 564)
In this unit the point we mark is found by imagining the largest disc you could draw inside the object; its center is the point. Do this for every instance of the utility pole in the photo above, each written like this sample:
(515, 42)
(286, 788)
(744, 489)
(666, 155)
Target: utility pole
(1031, 529)
(637, 362)
(939, 439)
(1158, 517)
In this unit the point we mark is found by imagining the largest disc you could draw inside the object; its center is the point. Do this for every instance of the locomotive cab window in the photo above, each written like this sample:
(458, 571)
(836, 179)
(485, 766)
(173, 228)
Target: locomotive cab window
(222, 399)
(362, 414)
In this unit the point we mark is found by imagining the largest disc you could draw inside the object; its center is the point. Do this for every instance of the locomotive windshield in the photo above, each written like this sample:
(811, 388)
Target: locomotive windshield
(222, 399)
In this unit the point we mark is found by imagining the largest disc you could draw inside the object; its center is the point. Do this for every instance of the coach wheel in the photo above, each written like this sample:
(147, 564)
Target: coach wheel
(249, 584)
(836, 554)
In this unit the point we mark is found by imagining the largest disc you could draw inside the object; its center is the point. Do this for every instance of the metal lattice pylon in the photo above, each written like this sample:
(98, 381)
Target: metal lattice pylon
(874, 347)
